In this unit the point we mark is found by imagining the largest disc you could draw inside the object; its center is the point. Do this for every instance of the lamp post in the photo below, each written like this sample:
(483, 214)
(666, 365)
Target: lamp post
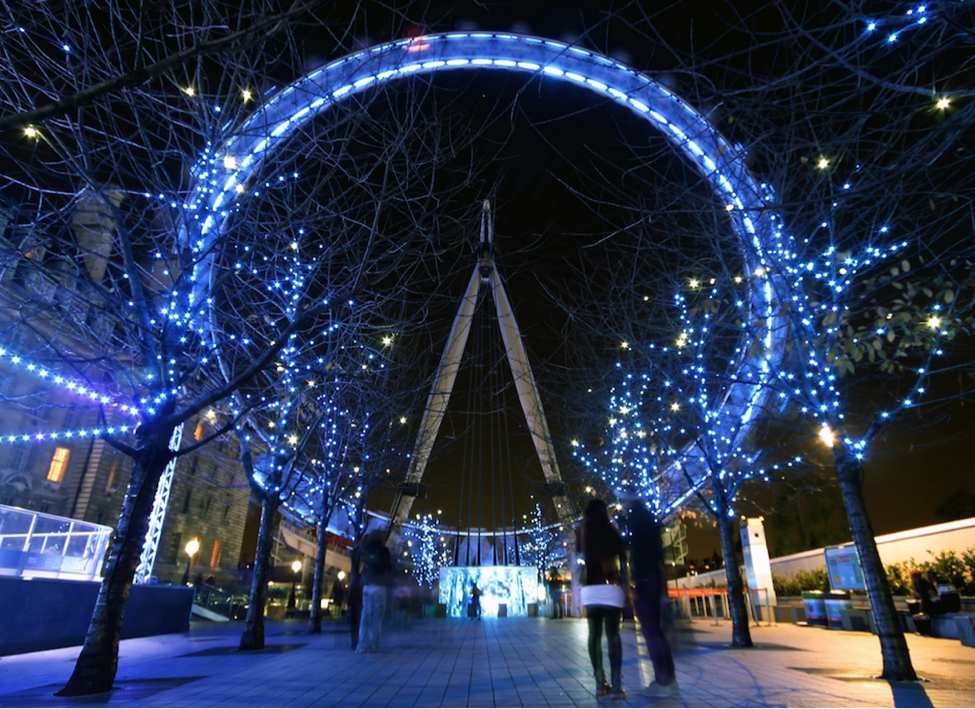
(296, 568)
(191, 549)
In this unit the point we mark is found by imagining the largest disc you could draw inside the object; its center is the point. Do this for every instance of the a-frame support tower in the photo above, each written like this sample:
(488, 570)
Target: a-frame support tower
(485, 275)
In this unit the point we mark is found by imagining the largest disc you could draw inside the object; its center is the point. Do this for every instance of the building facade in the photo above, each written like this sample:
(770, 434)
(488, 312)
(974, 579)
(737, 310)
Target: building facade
(86, 478)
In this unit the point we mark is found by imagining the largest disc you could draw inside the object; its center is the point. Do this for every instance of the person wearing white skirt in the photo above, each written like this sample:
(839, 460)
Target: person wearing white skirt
(601, 549)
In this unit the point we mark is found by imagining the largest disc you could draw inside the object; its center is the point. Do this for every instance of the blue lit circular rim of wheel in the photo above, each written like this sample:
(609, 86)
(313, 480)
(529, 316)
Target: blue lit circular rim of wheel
(219, 181)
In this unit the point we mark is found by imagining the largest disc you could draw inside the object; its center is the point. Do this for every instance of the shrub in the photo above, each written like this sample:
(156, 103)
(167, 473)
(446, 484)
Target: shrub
(899, 578)
(968, 559)
(785, 586)
(949, 567)
(816, 580)
(956, 568)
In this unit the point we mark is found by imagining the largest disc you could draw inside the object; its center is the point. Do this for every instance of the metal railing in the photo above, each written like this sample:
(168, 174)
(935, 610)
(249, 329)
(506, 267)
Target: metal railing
(40, 545)
(230, 604)
(712, 602)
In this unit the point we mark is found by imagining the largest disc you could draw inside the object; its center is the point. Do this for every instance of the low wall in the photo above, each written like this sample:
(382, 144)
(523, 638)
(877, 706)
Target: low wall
(920, 544)
(41, 614)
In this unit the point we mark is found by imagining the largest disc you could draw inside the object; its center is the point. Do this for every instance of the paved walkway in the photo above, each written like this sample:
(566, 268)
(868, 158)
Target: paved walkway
(501, 662)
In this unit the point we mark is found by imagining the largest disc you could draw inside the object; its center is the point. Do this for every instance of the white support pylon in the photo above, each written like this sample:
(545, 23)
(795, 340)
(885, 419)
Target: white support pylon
(486, 274)
(147, 560)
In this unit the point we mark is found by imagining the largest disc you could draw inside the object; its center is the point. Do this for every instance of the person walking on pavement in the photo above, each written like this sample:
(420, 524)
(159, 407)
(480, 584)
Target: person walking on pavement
(555, 593)
(377, 575)
(601, 549)
(650, 595)
(355, 595)
(338, 597)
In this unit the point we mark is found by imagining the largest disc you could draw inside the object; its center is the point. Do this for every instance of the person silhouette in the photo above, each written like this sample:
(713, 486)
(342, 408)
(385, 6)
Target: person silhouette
(650, 595)
(377, 575)
(475, 607)
(554, 585)
(601, 548)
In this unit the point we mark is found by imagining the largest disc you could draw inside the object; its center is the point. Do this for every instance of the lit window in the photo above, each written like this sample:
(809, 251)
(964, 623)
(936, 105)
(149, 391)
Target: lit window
(198, 432)
(111, 485)
(215, 554)
(59, 464)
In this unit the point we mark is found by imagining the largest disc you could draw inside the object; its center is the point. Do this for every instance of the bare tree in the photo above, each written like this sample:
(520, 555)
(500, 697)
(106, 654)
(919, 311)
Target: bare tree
(125, 151)
(121, 147)
(852, 126)
(858, 130)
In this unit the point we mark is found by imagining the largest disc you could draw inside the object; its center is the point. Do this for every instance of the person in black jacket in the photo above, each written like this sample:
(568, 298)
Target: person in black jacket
(649, 595)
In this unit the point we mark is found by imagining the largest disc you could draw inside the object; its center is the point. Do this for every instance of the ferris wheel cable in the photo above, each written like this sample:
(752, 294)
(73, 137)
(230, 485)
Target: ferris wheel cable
(503, 459)
(499, 494)
(470, 451)
(502, 469)
(478, 423)
(512, 521)
(495, 437)
(483, 438)
(460, 501)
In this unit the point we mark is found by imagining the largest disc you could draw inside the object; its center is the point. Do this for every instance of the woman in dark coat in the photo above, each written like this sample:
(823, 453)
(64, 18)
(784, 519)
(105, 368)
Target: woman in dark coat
(604, 578)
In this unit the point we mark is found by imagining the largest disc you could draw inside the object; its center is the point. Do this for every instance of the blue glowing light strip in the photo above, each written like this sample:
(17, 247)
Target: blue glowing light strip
(41, 436)
(64, 383)
(223, 173)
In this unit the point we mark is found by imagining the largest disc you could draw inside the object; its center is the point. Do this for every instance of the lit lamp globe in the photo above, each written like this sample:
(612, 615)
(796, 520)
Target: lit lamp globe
(296, 568)
(192, 548)
(341, 576)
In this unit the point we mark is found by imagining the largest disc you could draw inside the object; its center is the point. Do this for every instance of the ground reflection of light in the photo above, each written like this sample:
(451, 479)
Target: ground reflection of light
(645, 676)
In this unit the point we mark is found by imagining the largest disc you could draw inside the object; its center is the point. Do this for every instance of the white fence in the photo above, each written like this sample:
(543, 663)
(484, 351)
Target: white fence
(920, 544)
(34, 544)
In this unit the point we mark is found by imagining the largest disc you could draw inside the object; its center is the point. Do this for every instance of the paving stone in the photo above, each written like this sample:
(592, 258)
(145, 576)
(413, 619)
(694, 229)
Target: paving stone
(506, 662)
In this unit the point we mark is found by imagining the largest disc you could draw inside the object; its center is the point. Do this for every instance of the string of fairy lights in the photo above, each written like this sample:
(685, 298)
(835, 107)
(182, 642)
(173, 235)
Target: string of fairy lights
(665, 411)
(894, 27)
(649, 431)
(42, 436)
(428, 548)
(543, 545)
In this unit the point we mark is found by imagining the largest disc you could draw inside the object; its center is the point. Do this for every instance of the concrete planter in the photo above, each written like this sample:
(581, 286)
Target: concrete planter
(41, 614)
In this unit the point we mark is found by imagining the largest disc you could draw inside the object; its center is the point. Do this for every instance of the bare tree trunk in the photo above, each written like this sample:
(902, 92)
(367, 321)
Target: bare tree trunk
(95, 669)
(893, 644)
(741, 635)
(318, 582)
(253, 636)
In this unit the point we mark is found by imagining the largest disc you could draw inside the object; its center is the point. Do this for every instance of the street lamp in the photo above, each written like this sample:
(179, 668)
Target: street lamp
(296, 569)
(191, 549)
(826, 436)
